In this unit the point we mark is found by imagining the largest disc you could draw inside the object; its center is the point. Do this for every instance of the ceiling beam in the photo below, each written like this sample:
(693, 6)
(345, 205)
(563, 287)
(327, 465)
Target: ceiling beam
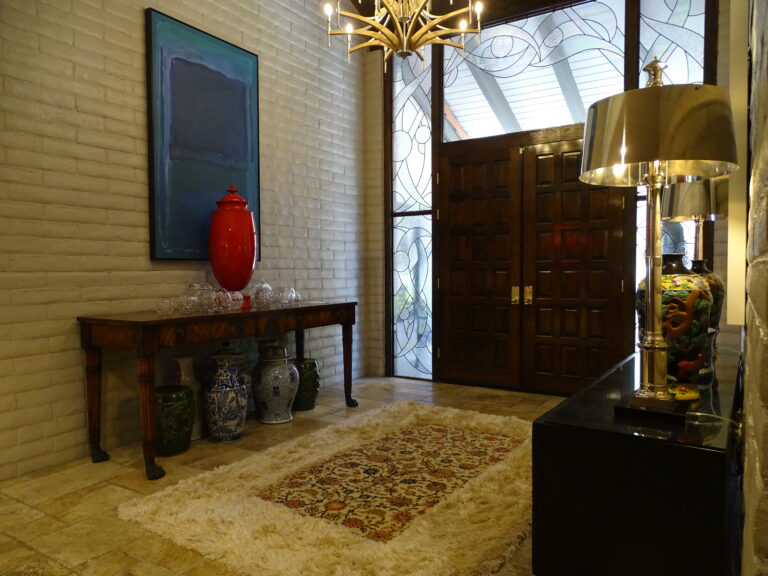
(496, 99)
(452, 128)
(570, 90)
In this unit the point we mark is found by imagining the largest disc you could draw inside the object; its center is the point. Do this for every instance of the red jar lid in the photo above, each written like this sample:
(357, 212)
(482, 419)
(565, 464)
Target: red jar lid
(232, 201)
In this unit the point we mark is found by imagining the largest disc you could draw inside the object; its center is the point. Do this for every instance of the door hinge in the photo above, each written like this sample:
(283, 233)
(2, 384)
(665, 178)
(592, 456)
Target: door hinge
(438, 352)
(437, 178)
(438, 283)
(622, 286)
(437, 214)
(623, 198)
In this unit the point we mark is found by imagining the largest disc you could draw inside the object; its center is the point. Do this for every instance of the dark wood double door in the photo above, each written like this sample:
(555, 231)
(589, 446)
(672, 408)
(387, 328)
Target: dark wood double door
(535, 269)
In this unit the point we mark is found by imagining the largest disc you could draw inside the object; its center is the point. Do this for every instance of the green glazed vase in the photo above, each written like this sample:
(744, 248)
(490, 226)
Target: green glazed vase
(174, 417)
(309, 384)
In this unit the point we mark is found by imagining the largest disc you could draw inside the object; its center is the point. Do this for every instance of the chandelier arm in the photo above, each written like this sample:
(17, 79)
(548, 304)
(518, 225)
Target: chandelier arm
(376, 39)
(446, 43)
(428, 28)
(436, 37)
(369, 44)
(383, 30)
(416, 20)
(391, 6)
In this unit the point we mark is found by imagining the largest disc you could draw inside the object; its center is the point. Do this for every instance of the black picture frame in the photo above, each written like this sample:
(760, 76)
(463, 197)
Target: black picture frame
(203, 108)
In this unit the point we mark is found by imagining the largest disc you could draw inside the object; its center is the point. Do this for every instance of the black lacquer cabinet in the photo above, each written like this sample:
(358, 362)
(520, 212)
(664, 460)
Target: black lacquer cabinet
(618, 496)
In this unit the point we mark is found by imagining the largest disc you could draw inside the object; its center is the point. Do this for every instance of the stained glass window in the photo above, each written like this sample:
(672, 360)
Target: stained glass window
(673, 32)
(412, 295)
(412, 228)
(412, 134)
(534, 73)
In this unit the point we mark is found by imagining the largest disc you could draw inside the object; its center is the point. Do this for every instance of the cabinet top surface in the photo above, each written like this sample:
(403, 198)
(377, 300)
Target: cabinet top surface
(707, 424)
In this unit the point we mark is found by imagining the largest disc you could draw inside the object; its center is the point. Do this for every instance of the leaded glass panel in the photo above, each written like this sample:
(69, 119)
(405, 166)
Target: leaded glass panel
(535, 73)
(412, 134)
(673, 32)
(412, 296)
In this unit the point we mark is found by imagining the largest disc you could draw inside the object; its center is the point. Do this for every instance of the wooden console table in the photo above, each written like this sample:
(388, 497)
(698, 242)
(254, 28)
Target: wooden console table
(149, 332)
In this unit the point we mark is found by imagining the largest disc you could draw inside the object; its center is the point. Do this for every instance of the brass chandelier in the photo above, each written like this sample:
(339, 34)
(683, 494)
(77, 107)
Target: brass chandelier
(404, 27)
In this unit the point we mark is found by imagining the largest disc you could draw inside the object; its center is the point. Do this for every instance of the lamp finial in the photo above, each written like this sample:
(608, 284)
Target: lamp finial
(654, 70)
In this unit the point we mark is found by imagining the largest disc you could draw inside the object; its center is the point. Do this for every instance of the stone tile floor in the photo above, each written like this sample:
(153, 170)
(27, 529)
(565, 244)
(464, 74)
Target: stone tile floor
(62, 521)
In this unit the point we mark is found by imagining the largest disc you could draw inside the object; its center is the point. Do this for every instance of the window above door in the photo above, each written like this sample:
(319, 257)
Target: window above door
(546, 70)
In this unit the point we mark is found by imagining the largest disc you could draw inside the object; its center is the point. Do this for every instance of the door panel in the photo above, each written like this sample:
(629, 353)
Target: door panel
(481, 260)
(572, 331)
(512, 213)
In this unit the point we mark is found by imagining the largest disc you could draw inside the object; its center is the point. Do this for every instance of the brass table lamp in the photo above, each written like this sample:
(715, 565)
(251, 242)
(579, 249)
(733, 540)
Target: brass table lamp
(654, 137)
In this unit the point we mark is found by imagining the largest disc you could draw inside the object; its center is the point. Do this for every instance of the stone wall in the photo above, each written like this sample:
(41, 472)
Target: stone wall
(755, 554)
(74, 197)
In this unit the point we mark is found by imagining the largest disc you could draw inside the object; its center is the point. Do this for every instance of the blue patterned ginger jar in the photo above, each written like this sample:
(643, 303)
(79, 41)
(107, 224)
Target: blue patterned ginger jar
(275, 384)
(226, 397)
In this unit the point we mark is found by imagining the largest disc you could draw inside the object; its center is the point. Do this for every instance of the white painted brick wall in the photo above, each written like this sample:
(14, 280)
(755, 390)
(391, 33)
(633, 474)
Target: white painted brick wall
(74, 188)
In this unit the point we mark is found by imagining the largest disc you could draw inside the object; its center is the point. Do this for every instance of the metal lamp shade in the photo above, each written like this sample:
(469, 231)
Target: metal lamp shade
(699, 200)
(687, 128)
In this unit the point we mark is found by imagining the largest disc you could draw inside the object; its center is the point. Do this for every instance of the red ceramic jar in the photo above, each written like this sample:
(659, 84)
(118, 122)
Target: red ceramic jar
(232, 241)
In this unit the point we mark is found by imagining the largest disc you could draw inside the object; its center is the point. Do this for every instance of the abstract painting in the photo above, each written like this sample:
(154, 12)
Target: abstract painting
(203, 133)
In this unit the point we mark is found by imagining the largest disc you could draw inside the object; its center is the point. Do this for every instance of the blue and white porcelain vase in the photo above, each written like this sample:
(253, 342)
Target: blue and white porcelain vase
(275, 384)
(226, 397)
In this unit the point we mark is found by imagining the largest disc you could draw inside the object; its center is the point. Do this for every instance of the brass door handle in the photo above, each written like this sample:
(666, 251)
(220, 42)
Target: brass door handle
(528, 296)
(515, 297)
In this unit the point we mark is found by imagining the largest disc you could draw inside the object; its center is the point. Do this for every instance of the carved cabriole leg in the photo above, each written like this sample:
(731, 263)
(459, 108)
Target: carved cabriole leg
(346, 334)
(147, 410)
(93, 392)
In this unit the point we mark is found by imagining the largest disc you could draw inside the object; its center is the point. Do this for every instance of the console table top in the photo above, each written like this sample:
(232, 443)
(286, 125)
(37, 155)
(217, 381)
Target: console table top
(148, 317)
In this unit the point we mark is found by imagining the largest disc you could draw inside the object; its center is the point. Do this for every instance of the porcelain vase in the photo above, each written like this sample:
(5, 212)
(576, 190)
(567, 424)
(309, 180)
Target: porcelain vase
(275, 384)
(226, 398)
(717, 288)
(686, 305)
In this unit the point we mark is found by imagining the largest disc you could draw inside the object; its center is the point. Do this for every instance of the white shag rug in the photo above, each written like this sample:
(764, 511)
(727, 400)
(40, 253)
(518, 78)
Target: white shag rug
(471, 532)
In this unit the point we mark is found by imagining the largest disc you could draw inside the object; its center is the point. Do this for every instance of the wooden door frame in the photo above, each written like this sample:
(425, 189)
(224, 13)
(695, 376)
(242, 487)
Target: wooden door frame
(506, 11)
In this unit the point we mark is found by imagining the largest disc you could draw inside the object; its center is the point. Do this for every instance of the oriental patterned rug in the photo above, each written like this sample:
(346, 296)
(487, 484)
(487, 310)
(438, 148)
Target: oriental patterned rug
(409, 489)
